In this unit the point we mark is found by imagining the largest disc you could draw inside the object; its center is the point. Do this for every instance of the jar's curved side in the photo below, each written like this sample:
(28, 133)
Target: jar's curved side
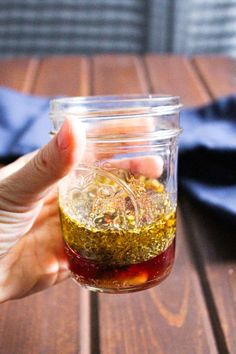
(119, 227)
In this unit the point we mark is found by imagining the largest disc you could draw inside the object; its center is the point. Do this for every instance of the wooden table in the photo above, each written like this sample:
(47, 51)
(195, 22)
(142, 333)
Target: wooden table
(194, 310)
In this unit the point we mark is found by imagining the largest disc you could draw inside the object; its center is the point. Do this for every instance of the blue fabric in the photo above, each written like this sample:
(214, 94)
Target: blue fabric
(207, 158)
(24, 123)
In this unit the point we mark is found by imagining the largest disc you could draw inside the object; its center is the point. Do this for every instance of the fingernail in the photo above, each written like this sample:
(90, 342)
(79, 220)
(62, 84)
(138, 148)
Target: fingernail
(63, 136)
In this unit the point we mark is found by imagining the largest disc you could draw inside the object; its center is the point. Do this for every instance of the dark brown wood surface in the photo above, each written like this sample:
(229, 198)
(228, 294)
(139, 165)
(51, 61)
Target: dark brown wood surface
(161, 316)
(194, 310)
(47, 322)
(214, 241)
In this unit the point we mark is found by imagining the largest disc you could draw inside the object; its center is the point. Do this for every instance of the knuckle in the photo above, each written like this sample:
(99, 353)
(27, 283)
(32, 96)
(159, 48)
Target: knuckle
(40, 163)
(46, 163)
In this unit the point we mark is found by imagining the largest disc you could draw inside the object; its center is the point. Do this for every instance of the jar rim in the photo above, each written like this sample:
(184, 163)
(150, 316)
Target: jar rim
(163, 103)
(116, 98)
(92, 109)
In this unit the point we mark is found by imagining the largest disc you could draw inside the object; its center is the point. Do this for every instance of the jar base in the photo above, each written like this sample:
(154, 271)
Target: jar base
(120, 289)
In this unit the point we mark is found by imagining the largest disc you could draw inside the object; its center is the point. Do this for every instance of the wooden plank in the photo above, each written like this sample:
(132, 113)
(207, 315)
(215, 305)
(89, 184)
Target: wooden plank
(214, 272)
(216, 241)
(218, 73)
(42, 323)
(214, 253)
(176, 77)
(18, 74)
(128, 80)
(48, 322)
(69, 75)
(170, 318)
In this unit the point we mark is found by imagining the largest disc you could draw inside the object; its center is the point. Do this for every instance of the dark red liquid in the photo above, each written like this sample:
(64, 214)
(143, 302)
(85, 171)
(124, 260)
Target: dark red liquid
(114, 278)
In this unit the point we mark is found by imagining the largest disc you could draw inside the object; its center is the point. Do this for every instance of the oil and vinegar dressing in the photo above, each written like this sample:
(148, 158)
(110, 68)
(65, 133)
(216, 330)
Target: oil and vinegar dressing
(116, 252)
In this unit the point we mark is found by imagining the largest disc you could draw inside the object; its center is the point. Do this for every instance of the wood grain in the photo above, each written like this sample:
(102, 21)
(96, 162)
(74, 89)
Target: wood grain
(215, 240)
(212, 244)
(214, 253)
(47, 322)
(18, 74)
(218, 73)
(42, 323)
(156, 320)
(69, 76)
(107, 80)
(173, 317)
(176, 77)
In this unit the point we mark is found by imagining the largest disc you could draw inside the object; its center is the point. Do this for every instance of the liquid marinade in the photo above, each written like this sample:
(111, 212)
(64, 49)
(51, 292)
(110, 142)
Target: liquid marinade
(117, 252)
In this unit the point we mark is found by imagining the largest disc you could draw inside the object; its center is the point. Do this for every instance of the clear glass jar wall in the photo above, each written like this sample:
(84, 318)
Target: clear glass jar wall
(118, 206)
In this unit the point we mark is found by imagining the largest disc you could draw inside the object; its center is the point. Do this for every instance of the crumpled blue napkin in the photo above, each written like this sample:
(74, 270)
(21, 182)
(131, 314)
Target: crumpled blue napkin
(207, 155)
(24, 123)
(207, 158)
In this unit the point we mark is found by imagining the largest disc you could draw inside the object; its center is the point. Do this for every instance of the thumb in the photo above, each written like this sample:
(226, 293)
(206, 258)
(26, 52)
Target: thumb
(30, 184)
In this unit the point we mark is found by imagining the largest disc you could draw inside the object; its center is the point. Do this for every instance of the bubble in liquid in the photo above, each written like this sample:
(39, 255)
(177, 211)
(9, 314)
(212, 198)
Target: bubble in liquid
(106, 191)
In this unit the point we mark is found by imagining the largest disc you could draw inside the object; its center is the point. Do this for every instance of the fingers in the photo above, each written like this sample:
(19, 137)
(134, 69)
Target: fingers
(148, 166)
(30, 183)
(16, 165)
(121, 130)
(125, 135)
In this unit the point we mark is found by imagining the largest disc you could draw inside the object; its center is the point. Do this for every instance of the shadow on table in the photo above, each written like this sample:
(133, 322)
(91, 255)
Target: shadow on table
(209, 234)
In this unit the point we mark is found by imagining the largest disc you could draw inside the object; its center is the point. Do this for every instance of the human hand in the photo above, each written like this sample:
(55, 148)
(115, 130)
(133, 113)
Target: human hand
(31, 246)
(32, 255)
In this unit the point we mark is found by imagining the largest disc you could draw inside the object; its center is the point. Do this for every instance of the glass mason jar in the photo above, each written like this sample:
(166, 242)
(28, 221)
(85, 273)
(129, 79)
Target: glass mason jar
(118, 206)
